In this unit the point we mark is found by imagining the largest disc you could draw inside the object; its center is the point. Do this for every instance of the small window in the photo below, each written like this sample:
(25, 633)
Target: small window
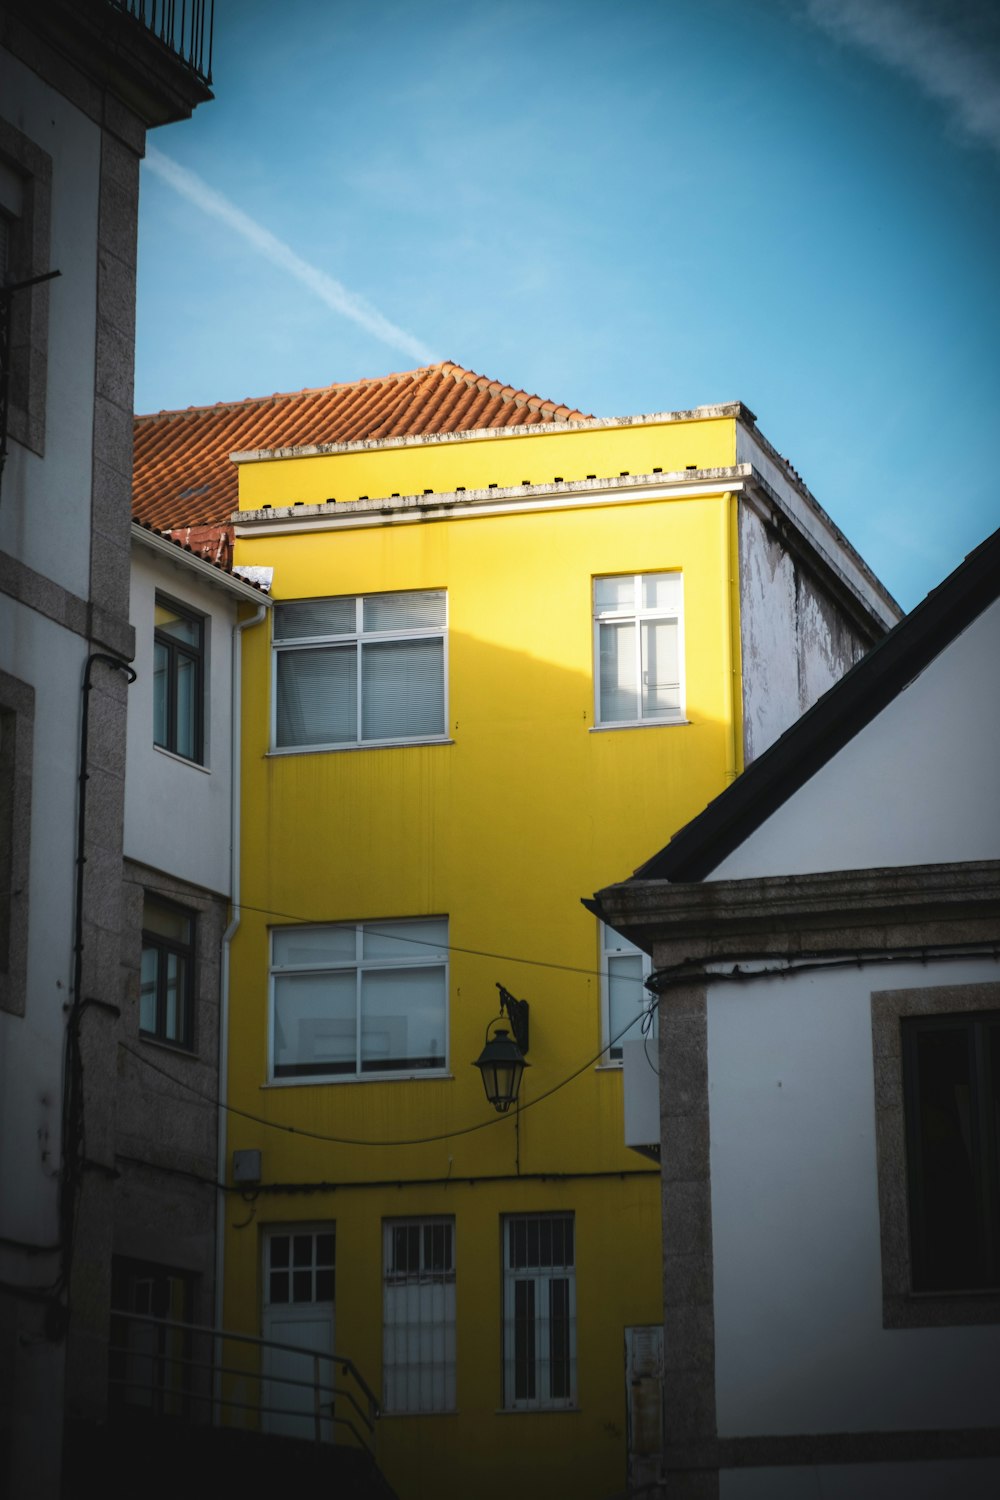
(25, 201)
(638, 649)
(178, 680)
(624, 996)
(539, 1311)
(300, 1267)
(167, 976)
(351, 1000)
(359, 671)
(418, 1325)
(951, 1087)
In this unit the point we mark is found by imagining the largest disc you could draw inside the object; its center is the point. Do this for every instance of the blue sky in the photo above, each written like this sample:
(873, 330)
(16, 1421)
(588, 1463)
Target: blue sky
(631, 208)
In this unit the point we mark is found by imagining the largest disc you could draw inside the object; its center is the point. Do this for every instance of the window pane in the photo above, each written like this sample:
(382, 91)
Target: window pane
(524, 1340)
(174, 998)
(627, 997)
(167, 921)
(559, 1376)
(615, 595)
(402, 1018)
(619, 688)
(317, 696)
(314, 617)
(662, 591)
(949, 1225)
(661, 691)
(313, 947)
(160, 683)
(402, 689)
(179, 627)
(187, 706)
(403, 940)
(417, 611)
(315, 1024)
(147, 990)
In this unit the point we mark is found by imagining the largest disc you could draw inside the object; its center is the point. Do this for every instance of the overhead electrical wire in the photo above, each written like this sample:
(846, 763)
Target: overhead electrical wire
(427, 1140)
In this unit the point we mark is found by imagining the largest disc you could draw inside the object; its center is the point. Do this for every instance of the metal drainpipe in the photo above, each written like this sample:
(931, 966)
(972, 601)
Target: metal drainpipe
(227, 938)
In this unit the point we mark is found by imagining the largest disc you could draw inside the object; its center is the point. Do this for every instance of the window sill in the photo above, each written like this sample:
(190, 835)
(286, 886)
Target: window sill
(177, 1048)
(275, 752)
(537, 1411)
(339, 1079)
(639, 724)
(183, 760)
(613, 1065)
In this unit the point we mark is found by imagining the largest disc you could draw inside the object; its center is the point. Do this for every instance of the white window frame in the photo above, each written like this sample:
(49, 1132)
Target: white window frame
(418, 1320)
(360, 967)
(541, 1279)
(360, 637)
(638, 616)
(612, 945)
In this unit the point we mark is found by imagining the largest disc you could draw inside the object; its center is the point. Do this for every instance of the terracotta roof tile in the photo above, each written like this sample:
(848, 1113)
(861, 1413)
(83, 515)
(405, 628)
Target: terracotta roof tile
(183, 476)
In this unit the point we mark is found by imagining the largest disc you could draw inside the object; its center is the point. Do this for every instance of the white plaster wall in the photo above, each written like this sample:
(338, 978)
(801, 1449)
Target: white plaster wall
(795, 644)
(40, 653)
(919, 784)
(799, 1342)
(49, 529)
(177, 815)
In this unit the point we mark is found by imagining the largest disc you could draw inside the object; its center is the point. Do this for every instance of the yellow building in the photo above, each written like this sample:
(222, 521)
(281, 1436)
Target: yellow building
(507, 642)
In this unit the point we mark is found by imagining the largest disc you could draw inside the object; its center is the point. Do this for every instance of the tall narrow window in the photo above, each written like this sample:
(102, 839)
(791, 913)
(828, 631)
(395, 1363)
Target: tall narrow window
(167, 979)
(539, 1315)
(178, 680)
(951, 1086)
(359, 670)
(418, 1327)
(638, 650)
(624, 968)
(352, 999)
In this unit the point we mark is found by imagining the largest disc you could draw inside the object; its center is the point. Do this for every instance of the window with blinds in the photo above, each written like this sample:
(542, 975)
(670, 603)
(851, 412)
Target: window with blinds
(361, 670)
(359, 998)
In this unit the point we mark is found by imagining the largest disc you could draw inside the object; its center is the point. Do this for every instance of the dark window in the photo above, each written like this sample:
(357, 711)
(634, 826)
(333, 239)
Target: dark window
(178, 680)
(951, 1081)
(165, 998)
(150, 1362)
(300, 1267)
(539, 1311)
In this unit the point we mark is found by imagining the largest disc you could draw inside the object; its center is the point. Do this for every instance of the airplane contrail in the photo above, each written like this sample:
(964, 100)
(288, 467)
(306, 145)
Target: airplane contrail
(327, 288)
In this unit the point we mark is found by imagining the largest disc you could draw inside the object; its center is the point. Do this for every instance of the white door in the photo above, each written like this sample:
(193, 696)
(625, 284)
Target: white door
(298, 1310)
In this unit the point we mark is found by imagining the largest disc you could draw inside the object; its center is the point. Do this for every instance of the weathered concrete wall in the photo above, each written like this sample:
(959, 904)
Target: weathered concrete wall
(797, 642)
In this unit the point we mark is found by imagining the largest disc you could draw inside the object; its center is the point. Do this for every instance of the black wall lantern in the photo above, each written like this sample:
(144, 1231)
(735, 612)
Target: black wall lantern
(501, 1061)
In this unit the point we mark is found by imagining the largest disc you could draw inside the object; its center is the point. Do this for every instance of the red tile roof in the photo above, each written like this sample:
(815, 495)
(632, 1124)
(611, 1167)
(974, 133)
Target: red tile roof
(183, 476)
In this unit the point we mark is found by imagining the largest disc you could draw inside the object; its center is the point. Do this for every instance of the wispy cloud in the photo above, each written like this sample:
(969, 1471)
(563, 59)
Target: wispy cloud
(337, 297)
(936, 55)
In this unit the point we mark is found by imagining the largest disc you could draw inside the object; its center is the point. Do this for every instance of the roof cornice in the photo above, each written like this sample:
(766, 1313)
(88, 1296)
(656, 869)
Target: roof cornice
(734, 409)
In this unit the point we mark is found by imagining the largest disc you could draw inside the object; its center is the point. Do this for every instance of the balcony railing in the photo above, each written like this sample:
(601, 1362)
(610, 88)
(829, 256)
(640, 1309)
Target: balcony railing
(211, 1377)
(184, 26)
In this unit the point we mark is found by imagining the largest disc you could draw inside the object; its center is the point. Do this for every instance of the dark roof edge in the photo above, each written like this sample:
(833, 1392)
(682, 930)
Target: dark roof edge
(833, 720)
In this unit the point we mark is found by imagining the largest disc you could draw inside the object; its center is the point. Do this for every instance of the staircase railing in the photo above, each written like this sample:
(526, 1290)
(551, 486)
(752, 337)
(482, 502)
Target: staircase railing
(195, 1373)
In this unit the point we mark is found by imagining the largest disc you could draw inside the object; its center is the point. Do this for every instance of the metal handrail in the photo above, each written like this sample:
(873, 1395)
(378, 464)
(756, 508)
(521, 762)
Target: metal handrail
(322, 1409)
